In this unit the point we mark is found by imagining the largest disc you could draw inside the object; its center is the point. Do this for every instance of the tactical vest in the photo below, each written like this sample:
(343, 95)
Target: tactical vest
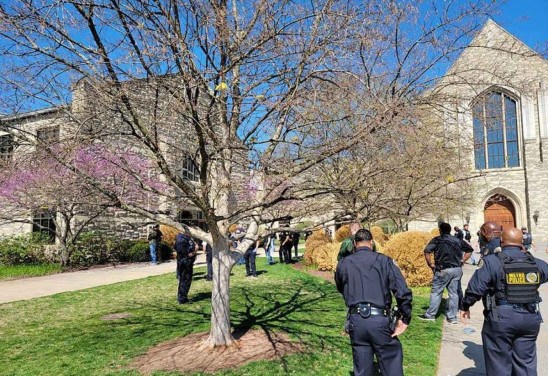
(521, 279)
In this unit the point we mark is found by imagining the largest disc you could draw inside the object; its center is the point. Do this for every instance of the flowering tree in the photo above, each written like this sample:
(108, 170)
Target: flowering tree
(76, 186)
(274, 86)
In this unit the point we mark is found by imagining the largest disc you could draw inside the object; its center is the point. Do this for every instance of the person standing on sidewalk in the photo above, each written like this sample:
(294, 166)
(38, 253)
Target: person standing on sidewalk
(369, 308)
(508, 284)
(449, 255)
(154, 239)
(269, 247)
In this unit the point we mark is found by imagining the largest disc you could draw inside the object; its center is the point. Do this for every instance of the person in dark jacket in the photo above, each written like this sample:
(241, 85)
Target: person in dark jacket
(490, 237)
(449, 255)
(508, 284)
(295, 237)
(249, 256)
(154, 238)
(368, 308)
(186, 255)
(209, 261)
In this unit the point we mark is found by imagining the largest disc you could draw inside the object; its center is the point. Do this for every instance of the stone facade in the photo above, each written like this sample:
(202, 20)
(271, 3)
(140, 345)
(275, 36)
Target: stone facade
(497, 62)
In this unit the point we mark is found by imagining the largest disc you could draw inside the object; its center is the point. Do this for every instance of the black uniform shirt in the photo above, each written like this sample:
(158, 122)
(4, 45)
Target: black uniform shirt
(490, 276)
(447, 251)
(490, 247)
(368, 277)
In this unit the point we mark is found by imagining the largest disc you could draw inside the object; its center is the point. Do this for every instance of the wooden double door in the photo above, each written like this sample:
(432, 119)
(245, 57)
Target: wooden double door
(499, 209)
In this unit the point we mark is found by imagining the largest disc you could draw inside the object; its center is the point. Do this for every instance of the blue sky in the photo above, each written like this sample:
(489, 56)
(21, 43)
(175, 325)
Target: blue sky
(527, 20)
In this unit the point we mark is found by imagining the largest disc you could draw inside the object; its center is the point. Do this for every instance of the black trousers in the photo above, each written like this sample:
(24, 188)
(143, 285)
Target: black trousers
(509, 342)
(287, 253)
(371, 336)
(185, 270)
(250, 267)
(209, 263)
(281, 254)
(296, 247)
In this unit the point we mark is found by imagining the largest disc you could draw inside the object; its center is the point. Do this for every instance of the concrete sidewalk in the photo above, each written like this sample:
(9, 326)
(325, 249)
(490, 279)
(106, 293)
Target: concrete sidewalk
(461, 350)
(29, 288)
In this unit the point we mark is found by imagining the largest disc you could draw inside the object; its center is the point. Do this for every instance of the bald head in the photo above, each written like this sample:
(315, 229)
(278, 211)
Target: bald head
(511, 236)
(490, 230)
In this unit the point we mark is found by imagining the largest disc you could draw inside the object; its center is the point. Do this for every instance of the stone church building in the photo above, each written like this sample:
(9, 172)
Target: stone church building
(495, 98)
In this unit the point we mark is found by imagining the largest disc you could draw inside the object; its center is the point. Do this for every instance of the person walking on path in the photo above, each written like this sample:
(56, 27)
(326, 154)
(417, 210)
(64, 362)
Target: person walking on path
(508, 284)
(186, 255)
(368, 321)
(154, 239)
(449, 255)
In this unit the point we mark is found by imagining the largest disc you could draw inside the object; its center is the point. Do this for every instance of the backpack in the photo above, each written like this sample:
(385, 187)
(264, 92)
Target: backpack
(184, 245)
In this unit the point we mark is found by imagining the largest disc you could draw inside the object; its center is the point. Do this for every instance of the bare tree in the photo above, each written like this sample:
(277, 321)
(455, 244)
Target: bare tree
(276, 87)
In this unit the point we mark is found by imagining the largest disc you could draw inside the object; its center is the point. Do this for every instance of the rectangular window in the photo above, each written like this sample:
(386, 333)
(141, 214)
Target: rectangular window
(44, 221)
(511, 132)
(190, 170)
(48, 136)
(479, 142)
(6, 147)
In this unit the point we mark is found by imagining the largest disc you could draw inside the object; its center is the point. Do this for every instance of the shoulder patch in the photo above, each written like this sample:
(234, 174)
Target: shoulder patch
(480, 263)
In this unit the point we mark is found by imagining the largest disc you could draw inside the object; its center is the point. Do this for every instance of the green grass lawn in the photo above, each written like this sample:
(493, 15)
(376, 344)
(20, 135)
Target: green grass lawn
(65, 335)
(19, 271)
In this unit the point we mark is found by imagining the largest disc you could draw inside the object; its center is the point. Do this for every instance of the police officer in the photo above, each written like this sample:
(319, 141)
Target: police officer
(209, 261)
(489, 236)
(369, 308)
(186, 255)
(508, 282)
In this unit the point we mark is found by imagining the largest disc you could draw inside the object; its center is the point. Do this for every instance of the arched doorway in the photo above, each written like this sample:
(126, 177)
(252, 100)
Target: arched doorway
(499, 209)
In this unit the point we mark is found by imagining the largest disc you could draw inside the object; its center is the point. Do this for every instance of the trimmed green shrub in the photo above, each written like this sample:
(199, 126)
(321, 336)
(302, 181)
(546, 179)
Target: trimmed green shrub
(23, 249)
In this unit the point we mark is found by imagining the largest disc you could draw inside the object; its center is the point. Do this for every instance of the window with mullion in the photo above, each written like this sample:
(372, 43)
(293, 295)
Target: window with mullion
(495, 132)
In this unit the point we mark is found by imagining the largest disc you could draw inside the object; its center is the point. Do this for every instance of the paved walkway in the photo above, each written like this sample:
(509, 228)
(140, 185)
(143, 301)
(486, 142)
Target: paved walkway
(461, 349)
(29, 288)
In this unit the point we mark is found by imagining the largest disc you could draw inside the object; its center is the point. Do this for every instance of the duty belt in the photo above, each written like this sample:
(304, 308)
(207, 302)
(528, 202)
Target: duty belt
(374, 311)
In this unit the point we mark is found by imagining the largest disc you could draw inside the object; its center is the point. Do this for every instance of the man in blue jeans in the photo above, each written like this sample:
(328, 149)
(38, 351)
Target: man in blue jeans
(154, 239)
(449, 255)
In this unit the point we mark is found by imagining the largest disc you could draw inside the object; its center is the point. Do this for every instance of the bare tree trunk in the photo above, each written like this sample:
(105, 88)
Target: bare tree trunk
(223, 261)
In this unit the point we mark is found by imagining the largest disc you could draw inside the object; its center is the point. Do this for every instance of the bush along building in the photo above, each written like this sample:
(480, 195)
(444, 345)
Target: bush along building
(493, 102)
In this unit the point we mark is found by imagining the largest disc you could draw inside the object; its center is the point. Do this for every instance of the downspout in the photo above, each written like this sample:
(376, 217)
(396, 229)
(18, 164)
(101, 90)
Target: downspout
(524, 162)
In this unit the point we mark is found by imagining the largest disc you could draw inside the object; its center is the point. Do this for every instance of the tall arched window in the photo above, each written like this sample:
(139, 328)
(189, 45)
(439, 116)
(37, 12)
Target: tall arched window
(495, 132)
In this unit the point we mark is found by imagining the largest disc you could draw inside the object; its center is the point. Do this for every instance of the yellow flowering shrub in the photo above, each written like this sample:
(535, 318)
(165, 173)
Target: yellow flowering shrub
(169, 234)
(435, 232)
(406, 248)
(314, 242)
(378, 235)
(342, 233)
(325, 256)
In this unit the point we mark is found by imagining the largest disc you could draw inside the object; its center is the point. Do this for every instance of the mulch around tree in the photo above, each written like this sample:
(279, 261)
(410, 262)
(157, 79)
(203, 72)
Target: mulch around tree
(191, 353)
(327, 275)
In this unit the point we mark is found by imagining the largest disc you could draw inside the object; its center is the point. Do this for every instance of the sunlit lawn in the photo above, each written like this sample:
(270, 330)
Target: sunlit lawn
(65, 335)
(19, 271)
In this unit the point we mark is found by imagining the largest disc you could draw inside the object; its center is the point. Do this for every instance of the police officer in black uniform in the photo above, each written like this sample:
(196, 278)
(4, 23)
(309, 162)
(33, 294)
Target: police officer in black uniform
(508, 283)
(365, 279)
(186, 255)
(490, 238)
